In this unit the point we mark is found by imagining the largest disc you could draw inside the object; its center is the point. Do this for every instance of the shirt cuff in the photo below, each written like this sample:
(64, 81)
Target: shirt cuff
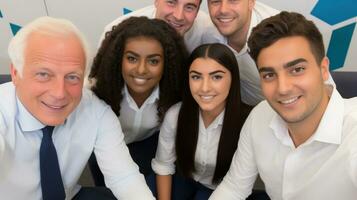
(162, 168)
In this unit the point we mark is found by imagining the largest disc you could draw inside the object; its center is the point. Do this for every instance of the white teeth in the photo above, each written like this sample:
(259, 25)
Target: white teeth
(289, 100)
(225, 20)
(140, 80)
(54, 107)
(175, 25)
(207, 97)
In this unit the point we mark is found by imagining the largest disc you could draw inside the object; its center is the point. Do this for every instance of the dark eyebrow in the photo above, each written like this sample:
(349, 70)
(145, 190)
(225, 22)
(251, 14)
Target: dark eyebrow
(266, 69)
(137, 55)
(294, 62)
(287, 65)
(217, 71)
(196, 72)
(131, 52)
(211, 73)
(192, 4)
(154, 55)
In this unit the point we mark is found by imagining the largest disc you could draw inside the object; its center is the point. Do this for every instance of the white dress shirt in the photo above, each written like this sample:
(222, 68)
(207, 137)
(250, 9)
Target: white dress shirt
(249, 77)
(322, 168)
(202, 31)
(138, 123)
(206, 150)
(91, 126)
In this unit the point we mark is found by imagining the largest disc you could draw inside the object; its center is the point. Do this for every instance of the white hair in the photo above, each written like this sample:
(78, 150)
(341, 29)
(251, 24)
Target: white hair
(47, 26)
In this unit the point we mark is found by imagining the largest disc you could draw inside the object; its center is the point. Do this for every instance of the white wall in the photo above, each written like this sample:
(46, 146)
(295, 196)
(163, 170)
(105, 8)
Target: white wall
(92, 16)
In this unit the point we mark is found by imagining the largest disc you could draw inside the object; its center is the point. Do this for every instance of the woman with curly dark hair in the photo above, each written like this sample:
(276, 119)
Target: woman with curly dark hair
(200, 134)
(137, 71)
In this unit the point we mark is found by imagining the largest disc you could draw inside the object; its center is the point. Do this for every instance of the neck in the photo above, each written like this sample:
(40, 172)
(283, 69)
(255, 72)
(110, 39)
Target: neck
(239, 38)
(208, 117)
(139, 98)
(237, 43)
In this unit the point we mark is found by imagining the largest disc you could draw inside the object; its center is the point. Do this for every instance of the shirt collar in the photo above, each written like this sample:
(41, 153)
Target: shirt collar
(26, 120)
(154, 96)
(329, 129)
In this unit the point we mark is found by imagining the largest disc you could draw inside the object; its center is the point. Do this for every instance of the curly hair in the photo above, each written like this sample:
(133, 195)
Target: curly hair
(106, 73)
(188, 119)
(285, 24)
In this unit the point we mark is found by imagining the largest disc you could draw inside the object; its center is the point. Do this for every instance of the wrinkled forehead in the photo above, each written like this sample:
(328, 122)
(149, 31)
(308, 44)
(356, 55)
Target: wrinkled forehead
(54, 48)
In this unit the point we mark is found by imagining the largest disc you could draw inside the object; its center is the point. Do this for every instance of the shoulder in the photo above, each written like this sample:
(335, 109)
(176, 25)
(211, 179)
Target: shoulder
(202, 15)
(94, 114)
(202, 21)
(261, 114)
(7, 91)
(7, 101)
(350, 111)
(172, 113)
(91, 104)
(262, 107)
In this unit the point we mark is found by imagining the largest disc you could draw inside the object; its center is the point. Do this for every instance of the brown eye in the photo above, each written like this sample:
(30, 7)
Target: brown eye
(298, 70)
(131, 59)
(153, 61)
(195, 77)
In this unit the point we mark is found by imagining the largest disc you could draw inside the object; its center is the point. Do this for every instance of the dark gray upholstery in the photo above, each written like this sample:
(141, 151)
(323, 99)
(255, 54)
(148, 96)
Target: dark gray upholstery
(4, 78)
(346, 83)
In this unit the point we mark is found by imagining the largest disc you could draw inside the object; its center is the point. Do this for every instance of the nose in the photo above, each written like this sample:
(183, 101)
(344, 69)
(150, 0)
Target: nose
(205, 85)
(141, 68)
(284, 85)
(58, 88)
(224, 7)
(178, 13)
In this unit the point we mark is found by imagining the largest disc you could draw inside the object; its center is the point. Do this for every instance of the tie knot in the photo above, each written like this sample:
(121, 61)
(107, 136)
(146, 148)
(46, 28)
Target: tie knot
(47, 130)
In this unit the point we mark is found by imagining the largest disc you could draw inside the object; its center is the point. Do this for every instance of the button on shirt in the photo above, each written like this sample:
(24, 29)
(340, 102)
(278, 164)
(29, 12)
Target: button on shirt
(202, 30)
(324, 167)
(206, 150)
(138, 123)
(91, 126)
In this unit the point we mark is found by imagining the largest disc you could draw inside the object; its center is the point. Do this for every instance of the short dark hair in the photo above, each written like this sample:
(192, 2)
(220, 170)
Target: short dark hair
(106, 71)
(285, 24)
(188, 119)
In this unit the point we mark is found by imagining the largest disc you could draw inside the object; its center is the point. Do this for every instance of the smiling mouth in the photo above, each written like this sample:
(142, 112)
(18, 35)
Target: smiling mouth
(289, 101)
(139, 80)
(175, 25)
(54, 107)
(207, 97)
(225, 20)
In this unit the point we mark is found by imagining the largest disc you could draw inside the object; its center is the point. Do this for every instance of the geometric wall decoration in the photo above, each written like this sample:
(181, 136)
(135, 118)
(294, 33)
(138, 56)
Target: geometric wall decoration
(339, 44)
(334, 12)
(14, 28)
(126, 11)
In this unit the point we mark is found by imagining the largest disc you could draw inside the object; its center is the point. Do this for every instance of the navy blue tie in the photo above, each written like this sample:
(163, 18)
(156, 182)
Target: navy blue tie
(51, 180)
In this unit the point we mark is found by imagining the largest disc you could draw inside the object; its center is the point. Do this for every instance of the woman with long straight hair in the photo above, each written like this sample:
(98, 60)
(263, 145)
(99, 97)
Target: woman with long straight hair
(200, 134)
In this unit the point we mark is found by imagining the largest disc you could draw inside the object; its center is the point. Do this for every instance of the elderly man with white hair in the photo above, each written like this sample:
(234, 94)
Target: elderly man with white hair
(50, 125)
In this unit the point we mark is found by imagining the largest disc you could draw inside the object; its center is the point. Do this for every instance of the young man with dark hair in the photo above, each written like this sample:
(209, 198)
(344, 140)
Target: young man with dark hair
(302, 140)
